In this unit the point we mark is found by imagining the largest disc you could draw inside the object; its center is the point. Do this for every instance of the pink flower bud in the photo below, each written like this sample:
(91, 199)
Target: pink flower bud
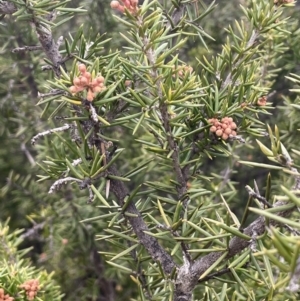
(100, 79)
(73, 89)
(114, 4)
(82, 68)
(90, 95)
(219, 133)
(224, 136)
(213, 129)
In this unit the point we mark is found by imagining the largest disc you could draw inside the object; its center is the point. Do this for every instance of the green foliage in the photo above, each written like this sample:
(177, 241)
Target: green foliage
(161, 183)
(16, 269)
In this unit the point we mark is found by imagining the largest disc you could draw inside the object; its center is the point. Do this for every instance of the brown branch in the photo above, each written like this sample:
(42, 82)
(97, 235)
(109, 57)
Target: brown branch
(150, 243)
(7, 8)
(45, 37)
(49, 46)
(257, 196)
(139, 227)
(26, 48)
(189, 274)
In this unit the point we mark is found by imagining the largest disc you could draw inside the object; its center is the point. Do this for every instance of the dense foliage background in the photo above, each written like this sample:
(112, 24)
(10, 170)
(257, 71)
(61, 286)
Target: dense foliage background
(55, 238)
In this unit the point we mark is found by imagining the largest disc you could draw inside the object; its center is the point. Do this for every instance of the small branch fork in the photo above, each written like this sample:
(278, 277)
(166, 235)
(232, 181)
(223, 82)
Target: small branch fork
(189, 277)
(150, 243)
(82, 184)
(257, 196)
(183, 245)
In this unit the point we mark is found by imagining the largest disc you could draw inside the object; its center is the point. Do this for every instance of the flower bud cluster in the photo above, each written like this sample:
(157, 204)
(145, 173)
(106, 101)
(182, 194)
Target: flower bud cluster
(224, 128)
(4, 297)
(31, 288)
(85, 82)
(130, 5)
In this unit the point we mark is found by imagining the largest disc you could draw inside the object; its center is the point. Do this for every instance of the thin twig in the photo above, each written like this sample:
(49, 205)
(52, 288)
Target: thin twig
(57, 184)
(49, 46)
(33, 231)
(215, 274)
(257, 196)
(163, 108)
(176, 234)
(27, 154)
(26, 48)
(51, 93)
(48, 132)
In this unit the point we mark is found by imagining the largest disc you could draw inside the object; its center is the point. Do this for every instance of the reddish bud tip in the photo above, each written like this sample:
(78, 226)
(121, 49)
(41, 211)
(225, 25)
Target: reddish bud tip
(213, 129)
(76, 81)
(100, 79)
(114, 4)
(233, 126)
(82, 68)
(90, 95)
(219, 133)
(224, 136)
(228, 131)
